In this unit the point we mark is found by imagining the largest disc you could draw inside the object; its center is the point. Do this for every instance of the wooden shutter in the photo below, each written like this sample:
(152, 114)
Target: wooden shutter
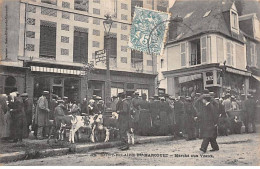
(203, 44)
(47, 41)
(80, 49)
(183, 54)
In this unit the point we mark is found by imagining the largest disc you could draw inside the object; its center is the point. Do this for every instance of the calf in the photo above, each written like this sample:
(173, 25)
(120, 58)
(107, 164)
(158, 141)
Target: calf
(82, 121)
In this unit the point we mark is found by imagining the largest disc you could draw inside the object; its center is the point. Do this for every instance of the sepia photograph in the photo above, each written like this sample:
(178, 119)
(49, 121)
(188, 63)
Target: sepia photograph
(129, 83)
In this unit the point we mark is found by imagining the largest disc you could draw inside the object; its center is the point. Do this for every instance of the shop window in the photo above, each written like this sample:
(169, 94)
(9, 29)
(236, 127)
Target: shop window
(10, 85)
(80, 50)
(143, 91)
(81, 5)
(195, 57)
(48, 40)
(71, 89)
(115, 91)
(41, 84)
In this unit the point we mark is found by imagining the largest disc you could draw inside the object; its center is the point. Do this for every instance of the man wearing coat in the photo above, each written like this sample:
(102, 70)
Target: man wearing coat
(250, 112)
(28, 106)
(42, 115)
(208, 119)
(123, 109)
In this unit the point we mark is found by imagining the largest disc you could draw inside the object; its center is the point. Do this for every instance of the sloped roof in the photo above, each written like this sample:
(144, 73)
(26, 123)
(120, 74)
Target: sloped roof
(251, 6)
(197, 24)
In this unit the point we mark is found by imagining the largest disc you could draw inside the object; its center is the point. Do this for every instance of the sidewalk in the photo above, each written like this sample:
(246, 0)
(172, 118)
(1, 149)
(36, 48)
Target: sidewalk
(32, 149)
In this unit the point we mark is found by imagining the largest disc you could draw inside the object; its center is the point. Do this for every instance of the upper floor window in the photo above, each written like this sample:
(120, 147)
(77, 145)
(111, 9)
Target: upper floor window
(82, 5)
(80, 49)
(195, 56)
(229, 53)
(253, 54)
(234, 20)
(136, 59)
(53, 2)
(112, 41)
(48, 39)
(135, 3)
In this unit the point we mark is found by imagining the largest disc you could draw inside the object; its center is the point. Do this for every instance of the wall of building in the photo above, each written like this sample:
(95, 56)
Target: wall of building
(94, 24)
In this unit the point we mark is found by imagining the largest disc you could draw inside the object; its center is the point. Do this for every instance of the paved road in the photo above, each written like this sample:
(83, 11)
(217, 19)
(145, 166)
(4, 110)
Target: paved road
(234, 150)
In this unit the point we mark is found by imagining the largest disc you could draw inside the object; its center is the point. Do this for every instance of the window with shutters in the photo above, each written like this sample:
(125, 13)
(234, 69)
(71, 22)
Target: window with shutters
(80, 48)
(195, 54)
(183, 54)
(112, 41)
(203, 43)
(253, 54)
(136, 59)
(229, 53)
(48, 40)
(135, 3)
(81, 5)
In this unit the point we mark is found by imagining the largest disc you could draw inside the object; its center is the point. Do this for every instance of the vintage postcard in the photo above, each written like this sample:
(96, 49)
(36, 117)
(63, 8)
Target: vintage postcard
(129, 83)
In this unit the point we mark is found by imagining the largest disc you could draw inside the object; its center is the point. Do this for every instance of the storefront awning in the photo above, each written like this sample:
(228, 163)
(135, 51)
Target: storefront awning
(256, 77)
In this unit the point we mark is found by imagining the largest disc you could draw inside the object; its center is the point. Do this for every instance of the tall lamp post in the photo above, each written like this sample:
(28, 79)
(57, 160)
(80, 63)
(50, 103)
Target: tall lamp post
(107, 26)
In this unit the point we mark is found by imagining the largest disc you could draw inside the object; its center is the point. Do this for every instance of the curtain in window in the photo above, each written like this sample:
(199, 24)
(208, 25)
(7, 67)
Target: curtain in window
(48, 40)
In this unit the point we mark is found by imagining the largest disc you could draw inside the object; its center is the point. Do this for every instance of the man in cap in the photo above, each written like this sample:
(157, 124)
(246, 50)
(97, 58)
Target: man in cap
(209, 120)
(164, 113)
(53, 105)
(42, 115)
(123, 109)
(28, 109)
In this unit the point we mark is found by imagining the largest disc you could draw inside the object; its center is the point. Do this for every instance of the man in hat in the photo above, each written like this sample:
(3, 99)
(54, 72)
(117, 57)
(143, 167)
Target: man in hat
(28, 108)
(209, 119)
(227, 103)
(164, 113)
(135, 106)
(190, 113)
(145, 116)
(18, 118)
(123, 109)
(66, 104)
(154, 110)
(42, 115)
(250, 112)
(197, 104)
(53, 105)
(179, 114)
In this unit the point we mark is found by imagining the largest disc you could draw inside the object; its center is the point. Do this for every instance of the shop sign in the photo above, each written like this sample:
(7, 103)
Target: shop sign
(228, 69)
(209, 78)
(189, 78)
(161, 92)
(55, 70)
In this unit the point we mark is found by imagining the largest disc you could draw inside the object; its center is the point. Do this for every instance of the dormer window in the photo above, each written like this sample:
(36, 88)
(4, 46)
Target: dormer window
(234, 20)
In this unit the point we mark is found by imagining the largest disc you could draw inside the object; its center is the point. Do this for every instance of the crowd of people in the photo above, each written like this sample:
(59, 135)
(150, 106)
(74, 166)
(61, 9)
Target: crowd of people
(182, 117)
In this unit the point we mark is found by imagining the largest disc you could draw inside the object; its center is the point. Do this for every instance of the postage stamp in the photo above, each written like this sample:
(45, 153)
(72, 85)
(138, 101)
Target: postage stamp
(148, 30)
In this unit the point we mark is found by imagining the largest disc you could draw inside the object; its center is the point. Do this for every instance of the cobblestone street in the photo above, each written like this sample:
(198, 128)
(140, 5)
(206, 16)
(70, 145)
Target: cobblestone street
(234, 150)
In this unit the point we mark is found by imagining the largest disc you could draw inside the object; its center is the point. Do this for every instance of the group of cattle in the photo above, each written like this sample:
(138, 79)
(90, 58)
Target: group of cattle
(93, 124)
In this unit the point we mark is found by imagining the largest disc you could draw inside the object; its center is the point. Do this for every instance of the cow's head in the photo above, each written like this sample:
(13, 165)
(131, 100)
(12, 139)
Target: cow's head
(99, 119)
(114, 115)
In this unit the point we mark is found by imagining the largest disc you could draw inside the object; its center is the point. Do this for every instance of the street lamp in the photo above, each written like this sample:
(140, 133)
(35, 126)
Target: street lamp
(107, 26)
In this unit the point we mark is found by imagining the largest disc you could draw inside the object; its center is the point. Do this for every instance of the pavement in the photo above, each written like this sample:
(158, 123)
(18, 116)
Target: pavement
(70, 148)
(49, 151)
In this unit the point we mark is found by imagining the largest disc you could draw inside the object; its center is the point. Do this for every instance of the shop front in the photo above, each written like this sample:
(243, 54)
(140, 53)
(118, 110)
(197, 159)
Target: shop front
(189, 81)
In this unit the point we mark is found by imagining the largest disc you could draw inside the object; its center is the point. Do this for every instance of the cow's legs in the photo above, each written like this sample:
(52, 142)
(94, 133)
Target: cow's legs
(92, 135)
(107, 134)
